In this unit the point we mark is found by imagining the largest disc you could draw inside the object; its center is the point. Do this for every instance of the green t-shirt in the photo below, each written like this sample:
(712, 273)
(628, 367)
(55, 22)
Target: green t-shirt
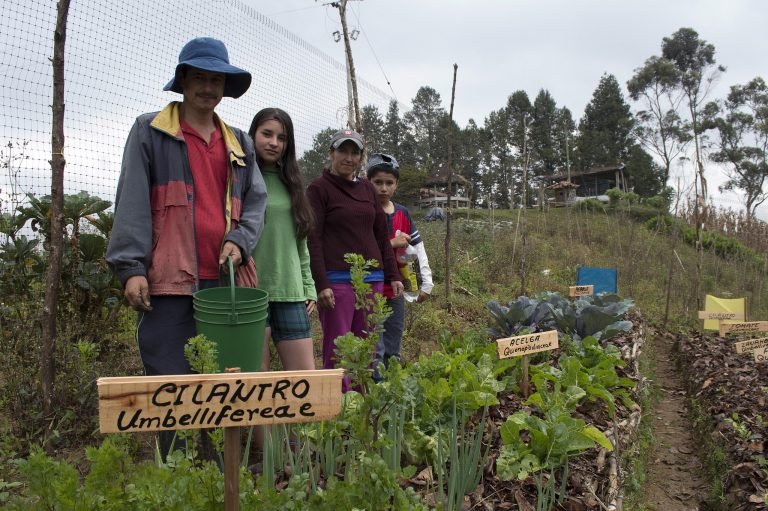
(282, 261)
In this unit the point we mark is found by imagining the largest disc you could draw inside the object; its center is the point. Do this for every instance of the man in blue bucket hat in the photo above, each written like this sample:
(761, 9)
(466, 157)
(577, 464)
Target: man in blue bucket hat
(190, 195)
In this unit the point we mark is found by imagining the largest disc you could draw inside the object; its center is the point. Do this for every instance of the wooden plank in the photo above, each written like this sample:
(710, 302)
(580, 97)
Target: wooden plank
(720, 315)
(526, 344)
(737, 327)
(153, 403)
(574, 291)
(751, 345)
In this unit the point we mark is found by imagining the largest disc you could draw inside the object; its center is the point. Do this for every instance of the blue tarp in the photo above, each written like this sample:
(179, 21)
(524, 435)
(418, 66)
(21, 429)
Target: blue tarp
(605, 280)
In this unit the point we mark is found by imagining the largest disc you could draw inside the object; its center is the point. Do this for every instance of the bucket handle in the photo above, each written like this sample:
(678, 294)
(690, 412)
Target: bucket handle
(233, 315)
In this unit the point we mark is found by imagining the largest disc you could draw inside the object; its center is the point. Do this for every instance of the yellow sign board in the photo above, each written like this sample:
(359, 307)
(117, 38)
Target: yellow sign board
(751, 345)
(581, 290)
(527, 344)
(737, 327)
(152, 403)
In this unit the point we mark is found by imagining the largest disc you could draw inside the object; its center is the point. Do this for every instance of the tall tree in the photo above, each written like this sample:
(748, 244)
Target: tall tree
(563, 135)
(697, 71)
(314, 160)
(742, 126)
(373, 127)
(694, 59)
(644, 176)
(498, 180)
(544, 148)
(393, 131)
(469, 158)
(423, 121)
(660, 128)
(605, 129)
(519, 116)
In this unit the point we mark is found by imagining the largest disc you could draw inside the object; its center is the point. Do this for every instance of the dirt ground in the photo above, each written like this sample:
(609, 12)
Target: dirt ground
(675, 481)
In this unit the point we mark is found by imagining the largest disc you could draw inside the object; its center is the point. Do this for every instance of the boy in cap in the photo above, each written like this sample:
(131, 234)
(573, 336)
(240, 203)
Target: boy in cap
(384, 173)
(190, 195)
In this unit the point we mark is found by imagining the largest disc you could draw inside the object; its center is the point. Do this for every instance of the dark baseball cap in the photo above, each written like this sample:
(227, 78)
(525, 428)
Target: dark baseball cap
(381, 161)
(342, 136)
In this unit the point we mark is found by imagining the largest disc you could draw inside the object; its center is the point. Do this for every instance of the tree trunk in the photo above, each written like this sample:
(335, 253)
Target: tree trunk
(53, 273)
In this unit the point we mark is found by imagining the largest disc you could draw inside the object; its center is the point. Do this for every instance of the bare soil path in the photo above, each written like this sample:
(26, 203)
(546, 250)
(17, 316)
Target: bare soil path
(675, 474)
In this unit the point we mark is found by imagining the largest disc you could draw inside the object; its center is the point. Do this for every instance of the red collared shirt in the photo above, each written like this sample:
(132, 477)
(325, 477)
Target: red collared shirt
(208, 161)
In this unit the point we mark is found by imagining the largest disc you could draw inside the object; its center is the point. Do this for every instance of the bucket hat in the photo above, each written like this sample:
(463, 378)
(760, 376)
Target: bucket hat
(211, 55)
(342, 136)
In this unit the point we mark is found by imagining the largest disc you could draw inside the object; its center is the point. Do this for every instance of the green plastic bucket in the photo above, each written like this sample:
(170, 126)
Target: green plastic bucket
(234, 318)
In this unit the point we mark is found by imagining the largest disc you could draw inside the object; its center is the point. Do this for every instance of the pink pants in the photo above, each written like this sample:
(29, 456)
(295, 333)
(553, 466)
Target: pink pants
(342, 319)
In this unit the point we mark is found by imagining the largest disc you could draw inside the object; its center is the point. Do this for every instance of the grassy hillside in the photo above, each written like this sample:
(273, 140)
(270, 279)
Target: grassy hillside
(494, 264)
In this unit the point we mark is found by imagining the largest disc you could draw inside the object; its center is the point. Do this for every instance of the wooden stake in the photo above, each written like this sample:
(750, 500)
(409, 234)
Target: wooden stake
(525, 385)
(450, 185)
(232, 463)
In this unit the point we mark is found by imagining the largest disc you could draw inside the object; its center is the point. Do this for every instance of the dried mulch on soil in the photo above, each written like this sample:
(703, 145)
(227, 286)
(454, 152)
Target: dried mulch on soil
(731, 390)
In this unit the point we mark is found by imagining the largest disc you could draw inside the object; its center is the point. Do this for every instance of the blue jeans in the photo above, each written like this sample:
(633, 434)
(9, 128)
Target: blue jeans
(390, 341)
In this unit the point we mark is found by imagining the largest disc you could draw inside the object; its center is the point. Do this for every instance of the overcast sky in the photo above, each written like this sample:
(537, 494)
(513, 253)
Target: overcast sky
(503, 46)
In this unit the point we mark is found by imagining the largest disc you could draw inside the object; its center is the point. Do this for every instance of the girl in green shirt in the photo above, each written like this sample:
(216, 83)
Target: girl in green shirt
(281, 255)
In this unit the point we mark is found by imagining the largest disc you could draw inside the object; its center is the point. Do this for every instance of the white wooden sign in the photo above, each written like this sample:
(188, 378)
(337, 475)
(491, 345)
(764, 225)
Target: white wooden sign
(152, 403)
(527, 344)
(720, 315)
(574, 291)
(751, 345)
(737, 327)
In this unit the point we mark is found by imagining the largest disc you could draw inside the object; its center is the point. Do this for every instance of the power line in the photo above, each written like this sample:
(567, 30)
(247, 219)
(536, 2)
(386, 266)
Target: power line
(357, 17)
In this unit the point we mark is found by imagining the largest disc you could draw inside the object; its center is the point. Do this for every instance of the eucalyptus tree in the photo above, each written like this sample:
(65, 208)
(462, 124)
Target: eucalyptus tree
(660, 128)
(696, 71)
(741, 122)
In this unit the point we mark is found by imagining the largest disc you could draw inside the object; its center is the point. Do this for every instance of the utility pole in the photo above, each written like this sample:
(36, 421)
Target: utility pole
(354, 103)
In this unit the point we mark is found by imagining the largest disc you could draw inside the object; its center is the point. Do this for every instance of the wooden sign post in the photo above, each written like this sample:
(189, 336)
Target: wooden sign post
(721, 315)
(751, 345)
(524, 345)
(761, 355)
(231, 400)
(574, 291)
(738, 327)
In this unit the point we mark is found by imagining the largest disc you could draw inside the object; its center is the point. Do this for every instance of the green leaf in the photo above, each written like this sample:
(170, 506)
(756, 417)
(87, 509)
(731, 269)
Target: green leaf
(598, 436)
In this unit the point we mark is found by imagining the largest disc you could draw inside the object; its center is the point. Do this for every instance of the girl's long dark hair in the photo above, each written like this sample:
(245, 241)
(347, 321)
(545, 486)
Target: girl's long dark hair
(289, 169)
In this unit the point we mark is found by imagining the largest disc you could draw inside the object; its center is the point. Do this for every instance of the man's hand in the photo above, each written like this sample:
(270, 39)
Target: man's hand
(230, 249)
(401, 240)
(397, 288)
(423, 297)
(137, 293)
(326, 298)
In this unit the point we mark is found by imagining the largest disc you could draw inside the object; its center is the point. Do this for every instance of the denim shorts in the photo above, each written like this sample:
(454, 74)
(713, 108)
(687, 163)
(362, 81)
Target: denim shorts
(289, 321)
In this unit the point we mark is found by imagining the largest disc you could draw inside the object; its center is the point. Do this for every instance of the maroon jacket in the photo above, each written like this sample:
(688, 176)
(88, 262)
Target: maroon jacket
(348, 218)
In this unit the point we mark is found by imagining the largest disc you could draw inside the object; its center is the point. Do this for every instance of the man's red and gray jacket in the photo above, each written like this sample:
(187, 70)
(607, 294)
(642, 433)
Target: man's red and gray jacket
(154, 233)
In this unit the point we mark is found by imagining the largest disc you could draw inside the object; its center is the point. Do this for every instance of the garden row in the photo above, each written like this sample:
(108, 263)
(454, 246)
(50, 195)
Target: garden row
(449, 431)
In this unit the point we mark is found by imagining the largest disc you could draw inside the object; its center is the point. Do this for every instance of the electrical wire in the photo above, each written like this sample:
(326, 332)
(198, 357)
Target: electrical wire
(389, 84)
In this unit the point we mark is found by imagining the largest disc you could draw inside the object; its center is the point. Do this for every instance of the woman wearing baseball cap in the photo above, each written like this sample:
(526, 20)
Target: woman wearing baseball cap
(348, 219)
